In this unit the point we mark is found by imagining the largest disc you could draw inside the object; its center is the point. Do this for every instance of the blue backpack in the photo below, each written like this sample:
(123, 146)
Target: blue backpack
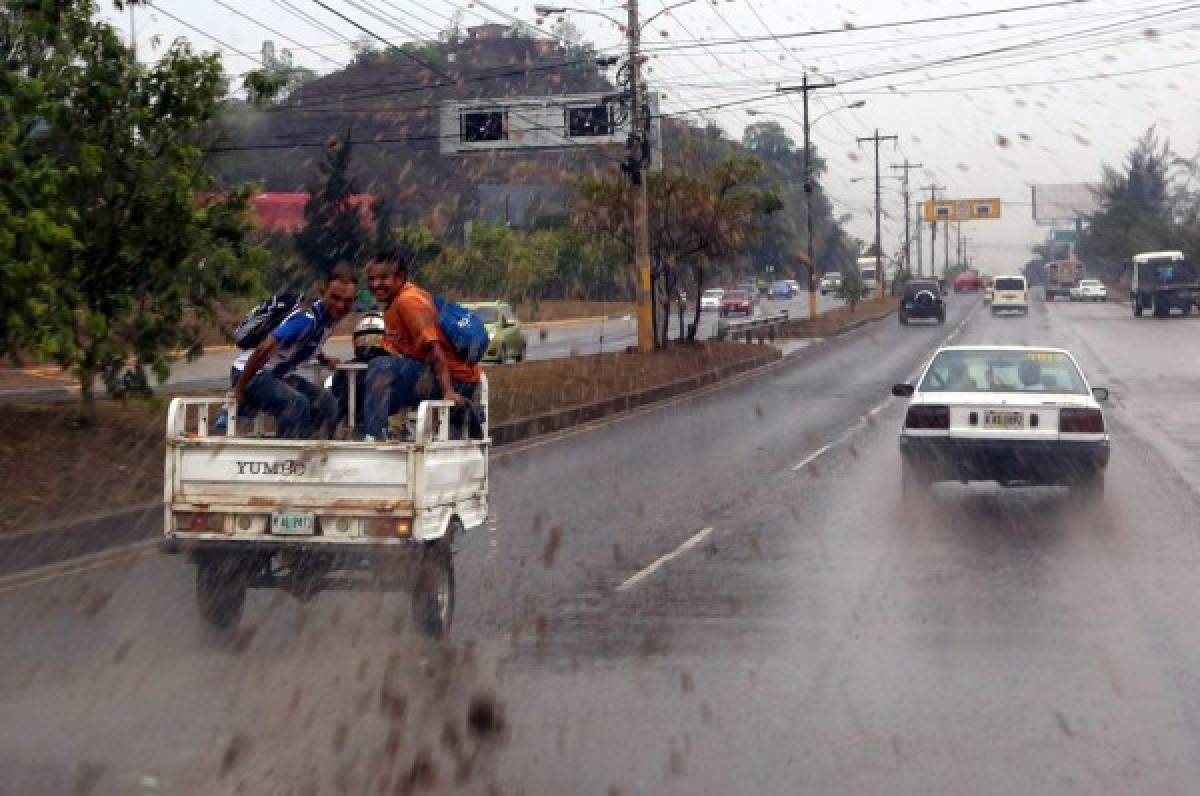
(463, 328)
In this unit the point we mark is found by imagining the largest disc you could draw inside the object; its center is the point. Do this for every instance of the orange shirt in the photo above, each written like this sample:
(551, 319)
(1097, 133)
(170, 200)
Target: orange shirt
(412, 326)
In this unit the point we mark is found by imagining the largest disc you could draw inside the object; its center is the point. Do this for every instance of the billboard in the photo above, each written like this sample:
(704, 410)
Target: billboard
(1063, 203)
(961, 209)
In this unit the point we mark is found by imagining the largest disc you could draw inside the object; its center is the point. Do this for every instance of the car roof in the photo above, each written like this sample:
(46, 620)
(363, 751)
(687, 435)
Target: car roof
(1049, 348)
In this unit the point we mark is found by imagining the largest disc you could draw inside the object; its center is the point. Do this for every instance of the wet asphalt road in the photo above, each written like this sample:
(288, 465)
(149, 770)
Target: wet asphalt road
(814, 640)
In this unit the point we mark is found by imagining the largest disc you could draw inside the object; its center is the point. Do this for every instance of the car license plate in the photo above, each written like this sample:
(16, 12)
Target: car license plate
(293, 523)
(1003, 420)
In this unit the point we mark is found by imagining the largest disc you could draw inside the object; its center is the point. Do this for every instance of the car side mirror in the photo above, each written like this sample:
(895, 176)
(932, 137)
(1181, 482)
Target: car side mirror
(902, 390)
(1100, 393)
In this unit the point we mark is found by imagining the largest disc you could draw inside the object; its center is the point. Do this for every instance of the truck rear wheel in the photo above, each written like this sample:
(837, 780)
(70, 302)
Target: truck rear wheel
(221, 583)
(433, 587)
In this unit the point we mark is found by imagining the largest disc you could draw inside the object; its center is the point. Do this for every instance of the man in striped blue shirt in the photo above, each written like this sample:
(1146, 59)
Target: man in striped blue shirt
(263, 379)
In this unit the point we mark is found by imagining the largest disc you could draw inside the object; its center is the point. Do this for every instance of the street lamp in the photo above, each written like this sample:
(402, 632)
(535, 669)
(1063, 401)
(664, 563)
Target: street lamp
(807, 126)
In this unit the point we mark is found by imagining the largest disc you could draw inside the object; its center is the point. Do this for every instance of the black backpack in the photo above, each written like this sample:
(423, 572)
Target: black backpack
(263, 319)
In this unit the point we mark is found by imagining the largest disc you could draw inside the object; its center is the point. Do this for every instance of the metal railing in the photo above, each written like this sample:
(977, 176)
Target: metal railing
(759, 329)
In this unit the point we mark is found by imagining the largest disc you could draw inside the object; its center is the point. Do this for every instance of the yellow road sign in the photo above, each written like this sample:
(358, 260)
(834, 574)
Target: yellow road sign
(962, 209)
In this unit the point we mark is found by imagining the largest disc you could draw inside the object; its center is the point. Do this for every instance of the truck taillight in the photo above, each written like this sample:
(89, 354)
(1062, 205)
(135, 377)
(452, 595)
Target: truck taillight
(927, 417)
(201, 521)
(1081, 421)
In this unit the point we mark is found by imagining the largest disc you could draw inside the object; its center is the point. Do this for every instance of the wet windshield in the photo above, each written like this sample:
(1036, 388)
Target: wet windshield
(436, 397)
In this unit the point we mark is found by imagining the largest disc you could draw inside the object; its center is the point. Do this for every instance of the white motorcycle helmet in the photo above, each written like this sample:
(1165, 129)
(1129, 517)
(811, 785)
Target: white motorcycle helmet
(369, 333)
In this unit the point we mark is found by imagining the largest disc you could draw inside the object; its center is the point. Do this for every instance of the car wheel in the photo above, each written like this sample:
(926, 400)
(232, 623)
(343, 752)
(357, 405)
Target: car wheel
(900, 317)
(221, 583)
(433, 589)
(502, 354)
(1186, 309)
(1161, 308)
(941, 318)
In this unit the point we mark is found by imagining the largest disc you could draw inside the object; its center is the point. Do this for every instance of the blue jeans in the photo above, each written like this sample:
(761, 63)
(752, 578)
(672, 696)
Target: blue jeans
(395, 383)
(301, 409)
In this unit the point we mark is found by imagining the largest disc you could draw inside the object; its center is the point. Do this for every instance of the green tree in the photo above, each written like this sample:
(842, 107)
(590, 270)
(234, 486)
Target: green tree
(278, 77)
(696, 216)
(141, 255)
(1137, 207)
(852, 290)
(333, 230)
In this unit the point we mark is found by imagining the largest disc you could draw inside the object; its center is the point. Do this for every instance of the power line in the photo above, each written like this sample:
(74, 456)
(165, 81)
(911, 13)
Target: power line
(283, 36)
(386, 43)
(206, 34)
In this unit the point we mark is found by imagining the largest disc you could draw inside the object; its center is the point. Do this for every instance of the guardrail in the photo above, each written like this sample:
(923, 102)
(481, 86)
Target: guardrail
(758, 329)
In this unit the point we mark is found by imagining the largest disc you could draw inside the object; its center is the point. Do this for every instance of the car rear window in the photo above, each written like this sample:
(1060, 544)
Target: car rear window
(913, 288)
(486, 314)
(1010, 283)
(1004, 371)
(737, 295)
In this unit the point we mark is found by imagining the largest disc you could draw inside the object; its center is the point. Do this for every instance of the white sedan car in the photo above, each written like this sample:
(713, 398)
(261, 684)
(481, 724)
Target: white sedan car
(711, 299)
(1017, 416)
(1089, 290)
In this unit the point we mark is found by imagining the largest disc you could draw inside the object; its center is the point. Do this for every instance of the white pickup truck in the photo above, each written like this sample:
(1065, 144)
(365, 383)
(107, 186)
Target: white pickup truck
(255, 511)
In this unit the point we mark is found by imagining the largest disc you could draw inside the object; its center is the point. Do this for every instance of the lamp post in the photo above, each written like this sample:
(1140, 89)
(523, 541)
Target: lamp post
(807, 126)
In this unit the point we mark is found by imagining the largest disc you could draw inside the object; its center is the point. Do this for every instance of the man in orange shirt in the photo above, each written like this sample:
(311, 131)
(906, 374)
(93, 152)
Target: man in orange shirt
(424, 365)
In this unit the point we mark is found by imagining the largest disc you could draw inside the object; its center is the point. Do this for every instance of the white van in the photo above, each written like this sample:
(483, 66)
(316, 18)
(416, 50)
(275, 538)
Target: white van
(1010, 294)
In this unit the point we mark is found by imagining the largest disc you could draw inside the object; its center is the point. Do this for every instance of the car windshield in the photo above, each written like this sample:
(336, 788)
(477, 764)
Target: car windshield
(713, 293)
(488, 315)
(781, 286)
(1004, 371)
(1089, 283)
(1009, 283)
(737, 295)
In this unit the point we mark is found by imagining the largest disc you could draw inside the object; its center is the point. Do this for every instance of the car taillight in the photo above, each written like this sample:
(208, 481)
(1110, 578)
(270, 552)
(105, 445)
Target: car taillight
(1081, 421)
(930, 417)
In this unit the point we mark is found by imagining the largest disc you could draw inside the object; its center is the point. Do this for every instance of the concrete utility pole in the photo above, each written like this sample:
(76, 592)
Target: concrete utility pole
(907, 220)
(641, 204)
(804, 88)
(933, 188)
(879, 275)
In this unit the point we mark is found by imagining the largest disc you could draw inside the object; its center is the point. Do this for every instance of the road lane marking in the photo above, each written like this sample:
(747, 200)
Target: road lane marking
(812, 457)
(642, 574)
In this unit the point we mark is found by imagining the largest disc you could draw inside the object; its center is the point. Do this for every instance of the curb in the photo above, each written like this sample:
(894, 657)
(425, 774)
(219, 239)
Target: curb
(549, 422)
(28, 550)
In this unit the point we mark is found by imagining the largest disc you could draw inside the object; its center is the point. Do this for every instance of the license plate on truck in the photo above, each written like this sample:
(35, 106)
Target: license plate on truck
(1003, 420)
(293, 523)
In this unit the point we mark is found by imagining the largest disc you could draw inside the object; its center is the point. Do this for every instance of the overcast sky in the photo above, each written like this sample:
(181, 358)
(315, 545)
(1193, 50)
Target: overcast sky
(974, 122)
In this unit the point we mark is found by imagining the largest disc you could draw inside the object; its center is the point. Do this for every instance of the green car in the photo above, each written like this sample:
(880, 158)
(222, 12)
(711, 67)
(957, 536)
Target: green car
(504, 330)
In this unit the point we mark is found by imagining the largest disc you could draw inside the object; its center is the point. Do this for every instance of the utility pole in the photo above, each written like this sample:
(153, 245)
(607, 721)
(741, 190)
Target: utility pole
(907, 221)
(641, 209)
(879, 275)
(933, 188)
(946, 249)
(920, 251)
(804, 88)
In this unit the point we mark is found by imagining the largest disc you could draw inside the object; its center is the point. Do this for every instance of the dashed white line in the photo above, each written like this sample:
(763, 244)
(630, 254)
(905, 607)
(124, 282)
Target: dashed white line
(810, 458)
(642, 574)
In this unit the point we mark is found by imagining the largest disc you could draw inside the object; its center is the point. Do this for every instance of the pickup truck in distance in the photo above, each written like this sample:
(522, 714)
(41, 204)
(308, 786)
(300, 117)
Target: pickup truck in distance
(1162, 281)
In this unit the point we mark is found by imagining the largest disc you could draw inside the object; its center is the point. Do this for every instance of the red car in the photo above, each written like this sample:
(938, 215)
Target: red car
(736, 301)
(968, 282)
